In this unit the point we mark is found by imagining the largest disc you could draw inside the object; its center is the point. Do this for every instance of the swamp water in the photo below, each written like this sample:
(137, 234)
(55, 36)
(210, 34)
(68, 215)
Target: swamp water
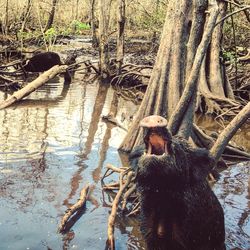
(52, 144)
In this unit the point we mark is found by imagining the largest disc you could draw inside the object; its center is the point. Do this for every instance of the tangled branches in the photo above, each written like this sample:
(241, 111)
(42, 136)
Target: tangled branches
(126, 192)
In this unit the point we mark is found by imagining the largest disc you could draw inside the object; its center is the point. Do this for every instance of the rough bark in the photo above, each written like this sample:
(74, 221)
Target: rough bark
(197, 27)
(191, 86)
(155, 101)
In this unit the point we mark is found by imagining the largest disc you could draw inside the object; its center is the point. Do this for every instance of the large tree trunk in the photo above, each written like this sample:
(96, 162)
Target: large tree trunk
(176, 67)
(215, 87)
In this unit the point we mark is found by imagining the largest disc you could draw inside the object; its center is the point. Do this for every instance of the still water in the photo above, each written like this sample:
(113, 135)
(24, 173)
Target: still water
(52, 144)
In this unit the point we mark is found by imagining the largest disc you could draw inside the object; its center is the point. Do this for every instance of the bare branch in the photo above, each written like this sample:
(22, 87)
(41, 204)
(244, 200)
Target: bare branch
(229, 131)
(233, 13)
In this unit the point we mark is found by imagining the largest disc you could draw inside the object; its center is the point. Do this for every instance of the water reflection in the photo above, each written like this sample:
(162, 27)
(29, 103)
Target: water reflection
(233, 191)
(51, 145)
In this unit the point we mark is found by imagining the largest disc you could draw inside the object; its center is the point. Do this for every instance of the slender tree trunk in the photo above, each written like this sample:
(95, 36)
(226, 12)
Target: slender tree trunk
(95, 42)
(77, 9)
(215, 80)
(25, 17)
(6, 19)
(120, 37)
(104, 38)
(196, 30)
(157, 13)
(51, 15)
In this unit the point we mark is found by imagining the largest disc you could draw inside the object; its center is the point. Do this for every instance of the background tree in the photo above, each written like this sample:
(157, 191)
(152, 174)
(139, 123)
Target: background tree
(104, 18)
(93, 24)
(51, 15)
(120, 33)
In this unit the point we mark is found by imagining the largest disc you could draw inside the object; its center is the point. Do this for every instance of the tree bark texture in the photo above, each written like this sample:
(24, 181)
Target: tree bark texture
(183, 46)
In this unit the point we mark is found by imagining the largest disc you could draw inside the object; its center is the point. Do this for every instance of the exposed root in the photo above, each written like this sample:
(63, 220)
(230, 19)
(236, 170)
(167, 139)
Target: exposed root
(221, 107)
(202, 139)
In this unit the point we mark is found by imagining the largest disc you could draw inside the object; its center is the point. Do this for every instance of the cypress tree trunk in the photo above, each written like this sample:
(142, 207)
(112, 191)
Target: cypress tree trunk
(172, 88)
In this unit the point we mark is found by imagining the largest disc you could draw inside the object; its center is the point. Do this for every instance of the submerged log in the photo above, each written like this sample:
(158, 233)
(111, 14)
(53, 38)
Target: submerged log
(38, 82)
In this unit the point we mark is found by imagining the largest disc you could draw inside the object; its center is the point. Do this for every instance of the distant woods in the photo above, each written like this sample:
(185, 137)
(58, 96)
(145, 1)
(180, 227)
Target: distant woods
(65, 16)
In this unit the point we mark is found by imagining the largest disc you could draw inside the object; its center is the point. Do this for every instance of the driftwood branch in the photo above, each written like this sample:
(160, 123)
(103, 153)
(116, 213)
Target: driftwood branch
(38, 82)
(76, 207)
(112, 216)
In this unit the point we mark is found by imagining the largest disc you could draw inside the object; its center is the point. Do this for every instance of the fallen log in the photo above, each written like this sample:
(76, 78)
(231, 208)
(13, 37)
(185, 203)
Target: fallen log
(38, 82)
